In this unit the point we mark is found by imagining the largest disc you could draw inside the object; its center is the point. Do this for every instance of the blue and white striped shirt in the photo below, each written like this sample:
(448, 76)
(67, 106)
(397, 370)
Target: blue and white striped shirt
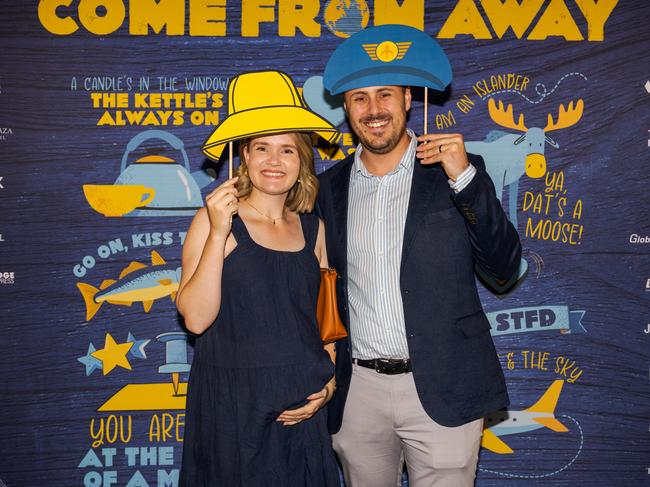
(377, 208)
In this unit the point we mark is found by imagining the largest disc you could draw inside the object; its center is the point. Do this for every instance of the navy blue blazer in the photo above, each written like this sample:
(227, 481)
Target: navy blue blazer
(455, 366)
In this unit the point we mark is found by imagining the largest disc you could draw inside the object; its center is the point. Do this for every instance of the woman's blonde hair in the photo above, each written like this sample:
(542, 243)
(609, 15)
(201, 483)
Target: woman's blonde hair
(302, 196)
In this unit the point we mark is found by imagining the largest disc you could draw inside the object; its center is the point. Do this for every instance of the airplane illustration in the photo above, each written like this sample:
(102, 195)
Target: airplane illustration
(539, 415)
(387, 51)
(137, 283)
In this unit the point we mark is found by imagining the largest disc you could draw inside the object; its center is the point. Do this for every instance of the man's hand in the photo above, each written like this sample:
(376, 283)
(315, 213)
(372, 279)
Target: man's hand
(316, 401)
(447, 149)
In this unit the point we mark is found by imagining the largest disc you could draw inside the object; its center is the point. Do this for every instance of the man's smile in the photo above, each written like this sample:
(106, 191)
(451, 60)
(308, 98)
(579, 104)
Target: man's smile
(376, 123)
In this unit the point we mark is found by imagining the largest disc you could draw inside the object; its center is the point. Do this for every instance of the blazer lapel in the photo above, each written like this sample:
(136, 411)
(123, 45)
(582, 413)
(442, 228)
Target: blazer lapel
(426, 180)
(340, 191)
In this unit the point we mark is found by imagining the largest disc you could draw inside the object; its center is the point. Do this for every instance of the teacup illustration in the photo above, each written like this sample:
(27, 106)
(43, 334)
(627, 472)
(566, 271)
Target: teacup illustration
(116, 199)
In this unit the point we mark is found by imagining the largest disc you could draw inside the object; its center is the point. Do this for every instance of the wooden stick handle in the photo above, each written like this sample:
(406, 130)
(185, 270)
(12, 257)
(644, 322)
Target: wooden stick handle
(230, 160)
(426, 108)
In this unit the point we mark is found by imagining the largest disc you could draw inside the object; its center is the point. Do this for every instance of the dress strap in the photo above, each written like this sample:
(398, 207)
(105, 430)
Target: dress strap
(239, 230)
(309, 224)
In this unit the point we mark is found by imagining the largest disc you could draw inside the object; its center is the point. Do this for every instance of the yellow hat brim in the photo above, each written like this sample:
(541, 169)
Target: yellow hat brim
(265, 121)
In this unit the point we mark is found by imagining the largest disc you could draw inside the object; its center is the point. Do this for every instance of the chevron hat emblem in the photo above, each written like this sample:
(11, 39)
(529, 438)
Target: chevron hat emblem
(387, 51)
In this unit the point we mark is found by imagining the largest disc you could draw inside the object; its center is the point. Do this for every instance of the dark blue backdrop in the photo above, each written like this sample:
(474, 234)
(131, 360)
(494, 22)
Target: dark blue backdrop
(89, 400)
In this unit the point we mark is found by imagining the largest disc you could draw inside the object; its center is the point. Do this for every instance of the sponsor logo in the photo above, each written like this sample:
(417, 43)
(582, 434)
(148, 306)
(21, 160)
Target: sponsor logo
(647, 284)
(639, 239)
(6, 277)
(5, 132)
(647, 329)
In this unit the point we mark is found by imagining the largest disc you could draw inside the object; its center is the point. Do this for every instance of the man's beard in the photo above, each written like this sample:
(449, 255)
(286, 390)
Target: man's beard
(385, 145)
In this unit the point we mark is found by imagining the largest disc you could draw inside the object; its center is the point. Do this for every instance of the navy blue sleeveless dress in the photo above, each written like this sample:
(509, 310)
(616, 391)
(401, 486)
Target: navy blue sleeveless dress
(262, 355)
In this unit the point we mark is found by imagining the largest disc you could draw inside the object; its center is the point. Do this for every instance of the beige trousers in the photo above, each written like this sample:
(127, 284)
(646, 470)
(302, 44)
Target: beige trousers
(384, 425)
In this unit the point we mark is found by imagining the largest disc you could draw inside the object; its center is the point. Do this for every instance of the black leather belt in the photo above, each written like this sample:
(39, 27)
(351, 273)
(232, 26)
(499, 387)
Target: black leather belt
(390, 366)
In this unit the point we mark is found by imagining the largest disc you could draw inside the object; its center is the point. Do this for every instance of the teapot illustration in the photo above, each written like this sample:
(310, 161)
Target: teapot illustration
(153, 185)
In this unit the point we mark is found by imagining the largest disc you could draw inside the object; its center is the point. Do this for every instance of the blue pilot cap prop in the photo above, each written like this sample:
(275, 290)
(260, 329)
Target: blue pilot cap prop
(387, 55)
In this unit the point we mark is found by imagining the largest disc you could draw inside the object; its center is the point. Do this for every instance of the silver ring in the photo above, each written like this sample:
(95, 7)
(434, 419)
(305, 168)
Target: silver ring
(440, 147)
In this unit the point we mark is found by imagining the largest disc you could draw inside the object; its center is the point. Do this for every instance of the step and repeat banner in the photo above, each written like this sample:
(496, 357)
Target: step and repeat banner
(104, 105)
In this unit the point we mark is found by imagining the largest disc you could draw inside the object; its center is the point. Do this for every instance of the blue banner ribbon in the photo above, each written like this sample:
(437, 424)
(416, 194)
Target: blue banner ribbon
(536, 318)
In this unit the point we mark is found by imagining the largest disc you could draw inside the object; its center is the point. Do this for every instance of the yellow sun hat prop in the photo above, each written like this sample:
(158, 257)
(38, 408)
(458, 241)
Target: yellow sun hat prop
(265, 102)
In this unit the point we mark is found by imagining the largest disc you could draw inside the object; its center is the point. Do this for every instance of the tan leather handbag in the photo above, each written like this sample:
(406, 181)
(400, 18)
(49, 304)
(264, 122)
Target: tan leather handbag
(327, 312)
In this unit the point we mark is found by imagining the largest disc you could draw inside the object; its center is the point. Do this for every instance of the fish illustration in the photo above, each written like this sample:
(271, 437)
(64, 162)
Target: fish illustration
(137, 283)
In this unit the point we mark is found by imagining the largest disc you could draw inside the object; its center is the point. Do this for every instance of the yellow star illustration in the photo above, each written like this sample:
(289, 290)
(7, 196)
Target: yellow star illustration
(113, 354)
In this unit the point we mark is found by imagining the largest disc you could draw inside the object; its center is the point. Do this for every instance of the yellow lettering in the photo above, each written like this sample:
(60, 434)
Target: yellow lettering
(164, 116)
(178, 118)
(465, 104)
(111, 429)
(154, 429)
(134, 118)
(141, 100)
(596, 14)
(253, 12)
(445, 120)
(465, 19)
(129, 429)
(155, 100)
(157, 14)
(168, 424)
(180, 425)
(577, 210)
(524, 83)
(299, 14)
(104, 24)
(410, 12)
(529, 199)
(331, 154)
(51, 21)
(208, 18)
(98, 435)
(556, 21)
(511, 14)
(533, 232)
(217, 100)
(106, 119)
(211, 117)
(151, 119)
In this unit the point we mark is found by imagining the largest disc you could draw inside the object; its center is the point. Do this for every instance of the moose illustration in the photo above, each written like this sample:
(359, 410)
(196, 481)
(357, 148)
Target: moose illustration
(508, 156)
